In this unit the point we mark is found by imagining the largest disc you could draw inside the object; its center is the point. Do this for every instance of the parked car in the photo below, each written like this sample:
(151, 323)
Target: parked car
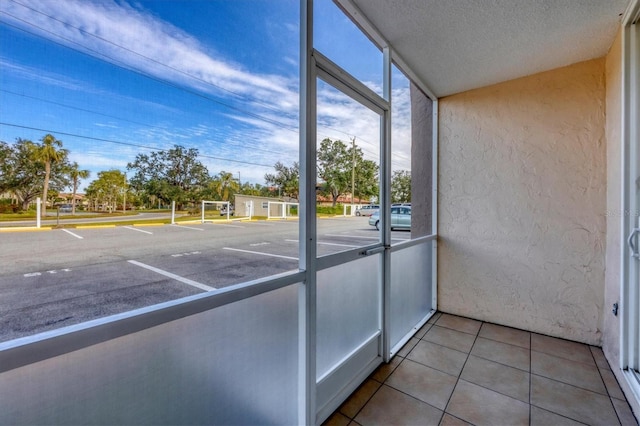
(223, 211)
(400, 218)
(367, 210)
(65, 208)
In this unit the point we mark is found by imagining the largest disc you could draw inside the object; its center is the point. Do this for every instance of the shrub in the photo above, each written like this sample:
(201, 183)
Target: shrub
(9, 208)
(338, 209)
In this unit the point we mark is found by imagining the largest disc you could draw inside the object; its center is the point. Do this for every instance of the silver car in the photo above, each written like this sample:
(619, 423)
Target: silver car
(400, 218)
(367, 210)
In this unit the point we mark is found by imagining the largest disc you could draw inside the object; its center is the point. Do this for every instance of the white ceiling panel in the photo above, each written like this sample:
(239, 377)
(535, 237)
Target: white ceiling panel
(458, 45)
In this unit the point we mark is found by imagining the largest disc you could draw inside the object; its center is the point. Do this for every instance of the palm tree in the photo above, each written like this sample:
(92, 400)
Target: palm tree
(76, 174)
(49, 153)
(225, 185)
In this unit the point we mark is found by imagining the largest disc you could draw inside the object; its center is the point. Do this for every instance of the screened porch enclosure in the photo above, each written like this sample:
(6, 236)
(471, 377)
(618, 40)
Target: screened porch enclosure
(516, 176)
(285, 349)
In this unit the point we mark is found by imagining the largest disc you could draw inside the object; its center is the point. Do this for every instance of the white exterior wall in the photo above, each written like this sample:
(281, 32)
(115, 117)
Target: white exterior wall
(522, 201)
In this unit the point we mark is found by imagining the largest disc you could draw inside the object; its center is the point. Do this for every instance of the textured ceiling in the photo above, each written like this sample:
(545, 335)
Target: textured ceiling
(457, 45)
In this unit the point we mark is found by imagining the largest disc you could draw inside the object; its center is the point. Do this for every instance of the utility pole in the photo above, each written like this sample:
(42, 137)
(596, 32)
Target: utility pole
(124, 195)
(239, 182)
(353, 167)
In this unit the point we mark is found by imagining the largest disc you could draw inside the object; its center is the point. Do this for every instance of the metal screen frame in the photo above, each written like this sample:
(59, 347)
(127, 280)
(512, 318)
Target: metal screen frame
(629, 291)
(315, 65)
(22, 352)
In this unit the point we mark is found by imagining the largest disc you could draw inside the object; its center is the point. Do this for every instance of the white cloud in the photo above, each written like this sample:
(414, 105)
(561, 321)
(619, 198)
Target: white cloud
(128, 35)
(39, 75)
(161, 49)
(48, 78)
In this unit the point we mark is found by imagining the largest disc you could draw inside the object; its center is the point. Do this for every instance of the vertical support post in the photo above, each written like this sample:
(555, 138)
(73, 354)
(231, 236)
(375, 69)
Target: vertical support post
(173, 212)
(353, 167)
(434, 208)
(38, 207)
(307, 224)
(124, 195)
(385, 205)
(202, 212)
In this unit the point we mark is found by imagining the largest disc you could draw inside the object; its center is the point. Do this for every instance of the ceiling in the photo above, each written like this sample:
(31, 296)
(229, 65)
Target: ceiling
(458, 45)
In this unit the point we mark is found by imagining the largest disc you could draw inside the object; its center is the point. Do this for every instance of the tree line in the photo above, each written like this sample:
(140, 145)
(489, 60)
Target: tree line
(342, 170)
(42, 169)
(34, 169)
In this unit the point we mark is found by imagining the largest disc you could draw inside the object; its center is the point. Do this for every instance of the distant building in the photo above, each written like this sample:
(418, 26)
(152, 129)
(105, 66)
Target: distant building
(67, 198)
(253, 205)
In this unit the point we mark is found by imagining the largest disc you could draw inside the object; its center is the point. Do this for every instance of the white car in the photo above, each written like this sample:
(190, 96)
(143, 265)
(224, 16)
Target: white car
(367, 210)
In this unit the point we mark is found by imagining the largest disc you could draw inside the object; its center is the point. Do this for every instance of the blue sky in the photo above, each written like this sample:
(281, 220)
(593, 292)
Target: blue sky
(113, 78)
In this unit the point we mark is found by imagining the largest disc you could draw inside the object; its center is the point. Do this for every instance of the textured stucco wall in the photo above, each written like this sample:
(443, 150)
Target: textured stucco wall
(522, 200)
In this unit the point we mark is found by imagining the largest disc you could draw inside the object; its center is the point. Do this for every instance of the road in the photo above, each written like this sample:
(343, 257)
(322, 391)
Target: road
(51, 279)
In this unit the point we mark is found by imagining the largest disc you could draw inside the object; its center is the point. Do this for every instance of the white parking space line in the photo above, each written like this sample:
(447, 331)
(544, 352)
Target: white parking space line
(327, 244)
(172, 276)
(228, 226)
(363, 237)
(187, 227)
(71, 233)
(139, 230)
(260, 253)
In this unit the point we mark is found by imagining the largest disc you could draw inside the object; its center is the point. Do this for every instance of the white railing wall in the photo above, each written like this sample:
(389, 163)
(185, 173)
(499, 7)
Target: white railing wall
(411, 289)
(232, 364)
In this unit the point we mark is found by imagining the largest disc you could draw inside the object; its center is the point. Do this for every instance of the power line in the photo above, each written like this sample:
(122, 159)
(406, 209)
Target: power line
(126, 67)
(131, 69)
(127, 143)
(147, 57)
(118, 118)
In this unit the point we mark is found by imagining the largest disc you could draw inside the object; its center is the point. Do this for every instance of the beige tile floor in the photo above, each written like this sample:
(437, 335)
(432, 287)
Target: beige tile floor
(458, 371)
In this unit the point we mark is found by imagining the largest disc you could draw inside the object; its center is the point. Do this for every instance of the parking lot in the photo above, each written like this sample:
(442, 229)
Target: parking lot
(51, 279)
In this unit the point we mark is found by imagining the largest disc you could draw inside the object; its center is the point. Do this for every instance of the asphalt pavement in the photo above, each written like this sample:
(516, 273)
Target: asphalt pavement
(55, 278)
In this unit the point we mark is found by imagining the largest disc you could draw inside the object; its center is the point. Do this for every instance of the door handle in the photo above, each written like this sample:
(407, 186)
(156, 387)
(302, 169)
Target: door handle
(375, 250)
(632, 246)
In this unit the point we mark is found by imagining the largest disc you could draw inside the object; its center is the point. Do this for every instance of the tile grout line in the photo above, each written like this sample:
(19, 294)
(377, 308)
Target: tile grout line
(444, 411)
(605, 385)
(568, 384)
(382, 383)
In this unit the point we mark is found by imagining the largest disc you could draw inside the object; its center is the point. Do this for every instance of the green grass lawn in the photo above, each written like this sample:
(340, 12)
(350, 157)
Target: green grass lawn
(31, 215)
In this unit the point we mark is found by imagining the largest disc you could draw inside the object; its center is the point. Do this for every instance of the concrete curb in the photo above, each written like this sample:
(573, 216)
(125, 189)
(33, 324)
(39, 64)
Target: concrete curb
(25, 229)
